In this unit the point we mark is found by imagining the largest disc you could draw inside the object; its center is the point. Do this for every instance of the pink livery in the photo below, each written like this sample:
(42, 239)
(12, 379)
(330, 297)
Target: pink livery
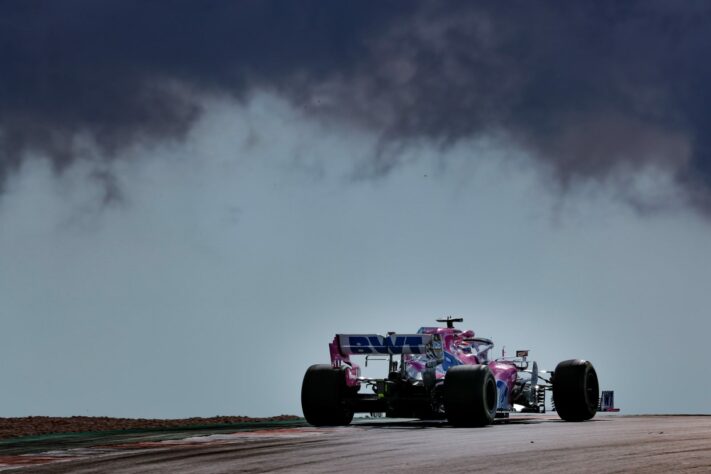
(441, 373)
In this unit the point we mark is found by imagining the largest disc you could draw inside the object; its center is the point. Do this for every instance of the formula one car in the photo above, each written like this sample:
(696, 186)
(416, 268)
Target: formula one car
(441, 373)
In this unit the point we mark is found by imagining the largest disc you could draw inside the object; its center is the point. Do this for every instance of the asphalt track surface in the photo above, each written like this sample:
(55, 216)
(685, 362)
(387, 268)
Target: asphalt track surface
(524, 444)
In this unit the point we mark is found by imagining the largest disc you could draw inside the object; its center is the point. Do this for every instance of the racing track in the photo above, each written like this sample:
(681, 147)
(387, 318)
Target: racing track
(524, 444)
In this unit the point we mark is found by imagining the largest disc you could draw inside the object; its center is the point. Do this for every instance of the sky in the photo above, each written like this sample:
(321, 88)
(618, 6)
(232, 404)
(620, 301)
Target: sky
(194, 199)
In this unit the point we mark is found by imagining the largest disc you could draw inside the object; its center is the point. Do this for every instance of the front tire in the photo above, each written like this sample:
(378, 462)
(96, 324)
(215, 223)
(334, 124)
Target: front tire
(470, 395)
(575, 390)
(322, 396)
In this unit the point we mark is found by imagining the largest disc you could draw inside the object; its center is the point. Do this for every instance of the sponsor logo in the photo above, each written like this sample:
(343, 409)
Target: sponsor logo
(385, 345)
(449, 361)
(503, 390)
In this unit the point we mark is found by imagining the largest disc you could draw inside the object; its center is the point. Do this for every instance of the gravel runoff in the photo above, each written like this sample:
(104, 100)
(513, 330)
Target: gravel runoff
(43, 425)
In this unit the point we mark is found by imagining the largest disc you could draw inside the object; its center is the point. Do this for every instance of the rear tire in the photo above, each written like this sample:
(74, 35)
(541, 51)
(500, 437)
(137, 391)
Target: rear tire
(470, 395)
(575, 390)
(322, 394)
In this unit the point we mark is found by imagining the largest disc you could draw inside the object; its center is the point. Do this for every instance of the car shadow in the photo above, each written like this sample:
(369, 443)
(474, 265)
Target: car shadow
(409, 423)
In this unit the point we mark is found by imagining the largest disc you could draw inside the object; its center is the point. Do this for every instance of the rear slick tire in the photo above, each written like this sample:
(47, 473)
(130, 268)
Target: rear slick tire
(576, 390)
(322, 396)
(470, 395)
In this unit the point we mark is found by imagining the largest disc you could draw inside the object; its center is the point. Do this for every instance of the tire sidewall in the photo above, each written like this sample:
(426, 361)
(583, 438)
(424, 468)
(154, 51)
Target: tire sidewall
(322, 394)
(575, 390)
(470, 395)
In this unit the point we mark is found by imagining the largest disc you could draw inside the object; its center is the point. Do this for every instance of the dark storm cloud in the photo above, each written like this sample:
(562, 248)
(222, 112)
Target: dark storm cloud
(592, 89)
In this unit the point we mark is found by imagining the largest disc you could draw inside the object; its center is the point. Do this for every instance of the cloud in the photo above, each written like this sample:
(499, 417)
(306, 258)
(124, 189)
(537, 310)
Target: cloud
(592, 91)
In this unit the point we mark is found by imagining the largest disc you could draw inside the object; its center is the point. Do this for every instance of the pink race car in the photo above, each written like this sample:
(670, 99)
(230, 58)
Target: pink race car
(441, 373)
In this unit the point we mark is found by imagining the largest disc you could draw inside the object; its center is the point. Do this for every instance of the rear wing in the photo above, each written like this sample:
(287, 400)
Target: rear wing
(392, 344)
